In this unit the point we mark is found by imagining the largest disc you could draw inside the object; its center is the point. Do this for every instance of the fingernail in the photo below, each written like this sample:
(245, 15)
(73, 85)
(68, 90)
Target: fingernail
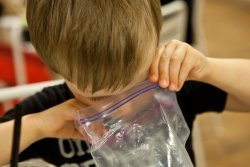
(163, 83)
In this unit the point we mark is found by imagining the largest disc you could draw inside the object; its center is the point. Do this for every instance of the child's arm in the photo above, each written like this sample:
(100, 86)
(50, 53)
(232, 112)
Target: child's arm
(232, 76)
(56, 122)
(176, 62)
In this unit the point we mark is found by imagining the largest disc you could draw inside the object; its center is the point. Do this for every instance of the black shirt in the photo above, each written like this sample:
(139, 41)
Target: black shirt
(193, 98)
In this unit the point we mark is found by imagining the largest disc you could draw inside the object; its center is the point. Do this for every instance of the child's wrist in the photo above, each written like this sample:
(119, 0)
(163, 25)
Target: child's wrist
(206, 71)
(31, 122)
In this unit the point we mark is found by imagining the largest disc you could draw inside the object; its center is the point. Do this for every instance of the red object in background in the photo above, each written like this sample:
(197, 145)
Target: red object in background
(36, 71)
(1, 109)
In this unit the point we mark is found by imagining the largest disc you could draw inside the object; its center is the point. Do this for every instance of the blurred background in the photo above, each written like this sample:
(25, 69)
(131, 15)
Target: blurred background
(221, 28)
(226, 137)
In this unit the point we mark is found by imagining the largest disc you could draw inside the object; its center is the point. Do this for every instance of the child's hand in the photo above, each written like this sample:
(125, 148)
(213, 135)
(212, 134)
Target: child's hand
(174, 63)
(58, 122)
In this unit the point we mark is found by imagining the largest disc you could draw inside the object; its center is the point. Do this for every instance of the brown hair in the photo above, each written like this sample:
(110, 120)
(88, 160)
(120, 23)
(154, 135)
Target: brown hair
(94, 43)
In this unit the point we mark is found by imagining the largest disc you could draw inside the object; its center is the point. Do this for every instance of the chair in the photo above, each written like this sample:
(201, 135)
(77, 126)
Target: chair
(18, 63)
(11, 25)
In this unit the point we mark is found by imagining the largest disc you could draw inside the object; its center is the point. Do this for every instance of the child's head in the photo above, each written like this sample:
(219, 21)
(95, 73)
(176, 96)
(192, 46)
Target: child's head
(96, 44)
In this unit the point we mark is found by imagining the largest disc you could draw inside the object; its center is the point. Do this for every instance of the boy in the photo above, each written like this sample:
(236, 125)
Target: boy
(102, 48)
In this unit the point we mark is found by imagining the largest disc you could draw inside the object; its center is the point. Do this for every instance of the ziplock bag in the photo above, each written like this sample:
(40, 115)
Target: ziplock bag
(142, 127)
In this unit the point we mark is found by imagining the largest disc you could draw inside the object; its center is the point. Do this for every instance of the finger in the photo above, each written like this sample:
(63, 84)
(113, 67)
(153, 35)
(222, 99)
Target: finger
(99, 128)
(164, 65)
(93, 131)
(186, 67)
(84, 135)
(154, 73)
(175, 65)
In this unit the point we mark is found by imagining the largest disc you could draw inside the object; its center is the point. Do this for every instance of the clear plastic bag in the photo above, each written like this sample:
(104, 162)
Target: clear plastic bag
(142, 127)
